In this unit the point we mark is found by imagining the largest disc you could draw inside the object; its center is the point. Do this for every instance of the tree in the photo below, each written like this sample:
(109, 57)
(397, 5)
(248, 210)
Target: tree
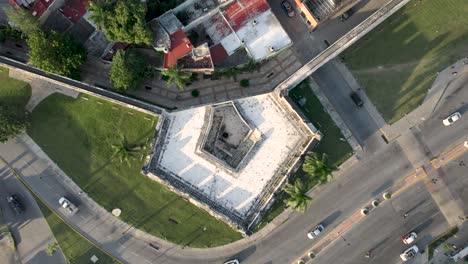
(128, 70)
(125, 151)
(123, 20)
(178, 77)
(318, 167)
(56, 53)
(298, 196)
(21, 19)
(12, 122)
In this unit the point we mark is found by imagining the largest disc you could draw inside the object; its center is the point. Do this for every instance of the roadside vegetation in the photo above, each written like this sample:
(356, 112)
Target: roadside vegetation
(319, 164)
(14, 95)
(128, 70)
(122, 20)
(75, 248)
(398, 61)
(439, 241)
(93, 133)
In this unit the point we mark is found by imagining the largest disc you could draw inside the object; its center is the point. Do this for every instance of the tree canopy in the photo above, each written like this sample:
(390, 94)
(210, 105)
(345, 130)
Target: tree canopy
(56, 53)
(318, 167)
(122, 20)
(12, 122)
(128, 70)
(298, 196)
(178, 77)
(21, 19)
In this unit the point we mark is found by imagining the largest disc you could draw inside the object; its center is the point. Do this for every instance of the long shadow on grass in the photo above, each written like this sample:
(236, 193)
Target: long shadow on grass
(381, 47)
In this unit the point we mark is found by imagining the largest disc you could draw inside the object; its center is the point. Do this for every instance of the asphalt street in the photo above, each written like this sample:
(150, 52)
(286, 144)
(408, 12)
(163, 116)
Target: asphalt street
(381, 231)
(30, 230)
(338, 92)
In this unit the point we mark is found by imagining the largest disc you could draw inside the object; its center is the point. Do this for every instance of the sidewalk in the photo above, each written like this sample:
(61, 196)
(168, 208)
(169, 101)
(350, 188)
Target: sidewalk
(270, 74)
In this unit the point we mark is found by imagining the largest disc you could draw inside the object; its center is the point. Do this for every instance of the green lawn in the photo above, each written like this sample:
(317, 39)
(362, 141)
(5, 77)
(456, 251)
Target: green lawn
(398, 61)
(78, 135)
(13, 92)
(75, 247)
(337, 150)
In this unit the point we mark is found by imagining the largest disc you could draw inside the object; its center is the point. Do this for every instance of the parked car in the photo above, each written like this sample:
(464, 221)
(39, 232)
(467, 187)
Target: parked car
(288, 8)
(452, 119)
(314, 233)
(15, 204)
(234, 261)
(409, 253)
(347, 14)
(357, 99)
(69, 206)
(409, 238)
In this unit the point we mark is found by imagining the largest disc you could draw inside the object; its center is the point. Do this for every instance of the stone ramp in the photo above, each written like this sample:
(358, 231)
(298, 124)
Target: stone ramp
(40, 89)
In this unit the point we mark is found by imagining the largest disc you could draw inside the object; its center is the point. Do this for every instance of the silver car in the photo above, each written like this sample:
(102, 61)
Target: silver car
(67, 205)
(451, 119)
(314, 233)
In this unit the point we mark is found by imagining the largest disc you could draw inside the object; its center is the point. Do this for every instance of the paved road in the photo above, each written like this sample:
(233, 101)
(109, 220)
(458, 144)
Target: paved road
(30, 230)
(338, 91)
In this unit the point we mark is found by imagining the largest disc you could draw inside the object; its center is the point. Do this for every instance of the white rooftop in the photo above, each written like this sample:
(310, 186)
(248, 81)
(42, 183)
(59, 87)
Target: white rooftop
(265, 33)
(236, 192)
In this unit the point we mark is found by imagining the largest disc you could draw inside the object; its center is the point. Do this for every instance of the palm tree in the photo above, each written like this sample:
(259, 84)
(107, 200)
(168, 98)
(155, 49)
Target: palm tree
(298, 196)
(178, 77)
(318, 167)
(98, 14)
(126, 152)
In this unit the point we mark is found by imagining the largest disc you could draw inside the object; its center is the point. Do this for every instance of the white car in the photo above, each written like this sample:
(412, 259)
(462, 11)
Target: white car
(409, 253)
(451, 119)
(314, 233)
(69, 206)
(409, 238)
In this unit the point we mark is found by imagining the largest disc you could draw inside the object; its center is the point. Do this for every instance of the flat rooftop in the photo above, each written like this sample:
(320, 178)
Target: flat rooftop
(282, 139)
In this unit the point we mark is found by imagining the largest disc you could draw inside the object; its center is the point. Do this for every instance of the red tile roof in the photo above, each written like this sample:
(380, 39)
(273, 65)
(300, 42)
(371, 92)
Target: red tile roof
(240, 11)
(218, 53)
(74, 9)
(180, 45)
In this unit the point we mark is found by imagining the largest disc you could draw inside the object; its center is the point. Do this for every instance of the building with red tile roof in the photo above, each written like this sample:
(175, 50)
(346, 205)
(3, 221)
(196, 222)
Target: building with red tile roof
(75, 9)
(180, 46)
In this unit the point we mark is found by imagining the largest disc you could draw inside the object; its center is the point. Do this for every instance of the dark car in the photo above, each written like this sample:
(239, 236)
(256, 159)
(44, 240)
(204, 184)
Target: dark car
(15, 204)
(357, 99)
(288, 8)
(347, 14)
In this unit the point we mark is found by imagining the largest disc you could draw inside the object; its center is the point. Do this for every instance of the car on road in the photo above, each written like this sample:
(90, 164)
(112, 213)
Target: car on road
(69, 206)
(346, 14)
(409, 238)
(314, 233)
(15, 204)
(357, 99)
(234, 261)
(409, 253)
(451, 119)
(288, 8)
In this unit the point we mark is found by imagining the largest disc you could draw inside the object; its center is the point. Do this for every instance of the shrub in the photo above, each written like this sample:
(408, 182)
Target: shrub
(387, 196)
(195, 93)
(244, 83)
(311, 255)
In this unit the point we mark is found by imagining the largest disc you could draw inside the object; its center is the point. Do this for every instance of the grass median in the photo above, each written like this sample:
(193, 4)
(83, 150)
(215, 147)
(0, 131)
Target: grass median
(75, 248)
(78, 134)
(398, 61)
